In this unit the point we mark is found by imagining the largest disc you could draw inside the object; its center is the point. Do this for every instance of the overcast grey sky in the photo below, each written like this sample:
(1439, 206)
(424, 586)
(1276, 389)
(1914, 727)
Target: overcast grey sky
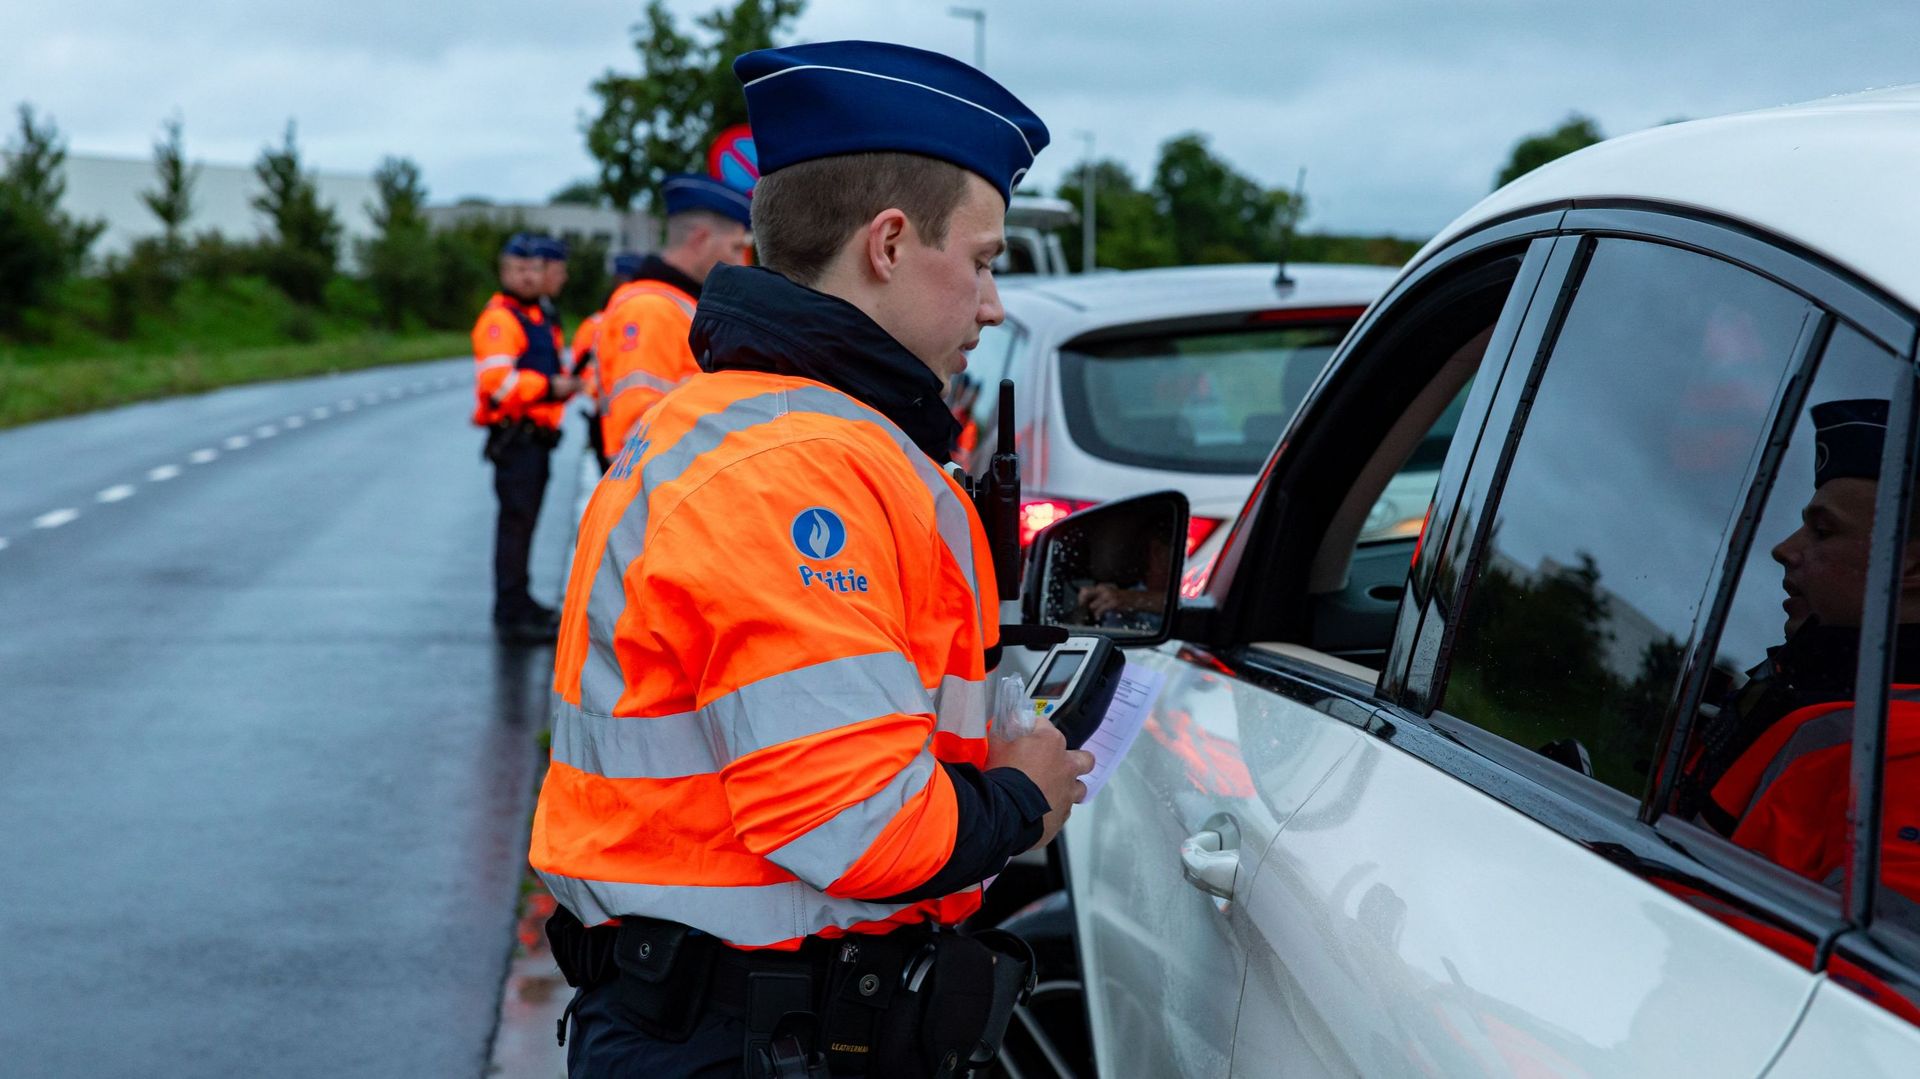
(1401, 110)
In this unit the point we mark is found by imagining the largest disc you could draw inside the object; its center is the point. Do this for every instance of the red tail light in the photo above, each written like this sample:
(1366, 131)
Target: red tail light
(1308, 314)
(1037, 513)
(1198, 529)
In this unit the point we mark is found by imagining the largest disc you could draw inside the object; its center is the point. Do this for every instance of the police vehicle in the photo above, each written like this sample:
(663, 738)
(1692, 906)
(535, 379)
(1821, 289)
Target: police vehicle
(1457, 802)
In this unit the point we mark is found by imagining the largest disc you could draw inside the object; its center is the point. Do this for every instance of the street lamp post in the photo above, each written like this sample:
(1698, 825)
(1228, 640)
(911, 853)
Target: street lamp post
(1087, 206)
(979, 17)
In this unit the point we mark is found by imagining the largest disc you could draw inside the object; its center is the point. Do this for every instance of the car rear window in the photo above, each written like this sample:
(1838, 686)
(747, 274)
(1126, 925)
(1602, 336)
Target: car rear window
(1192, 402)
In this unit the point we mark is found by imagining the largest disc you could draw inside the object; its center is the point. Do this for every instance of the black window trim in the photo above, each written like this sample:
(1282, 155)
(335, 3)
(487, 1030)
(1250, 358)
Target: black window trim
(1550, 796)
(1222, 617)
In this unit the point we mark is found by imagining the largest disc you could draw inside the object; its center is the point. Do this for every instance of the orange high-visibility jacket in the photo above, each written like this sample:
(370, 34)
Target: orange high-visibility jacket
(514, 351)
(775, 632)
(584, 366)
(1790, 792)
(642, 353)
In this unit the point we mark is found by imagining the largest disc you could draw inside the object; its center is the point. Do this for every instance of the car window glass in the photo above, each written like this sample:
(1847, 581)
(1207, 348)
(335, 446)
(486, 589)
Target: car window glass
(1615, 510)
(987, 364)
(1192, 402)
(1401, 509)
(1766, 762)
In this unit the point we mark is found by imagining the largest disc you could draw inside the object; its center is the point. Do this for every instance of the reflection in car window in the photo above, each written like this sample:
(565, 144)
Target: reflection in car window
(1614, 513)
(1196, 402)
(1766, 762)
(1401, 510)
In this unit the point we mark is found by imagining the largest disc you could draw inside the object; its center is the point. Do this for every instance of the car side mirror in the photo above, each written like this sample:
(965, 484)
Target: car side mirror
(1111, 571)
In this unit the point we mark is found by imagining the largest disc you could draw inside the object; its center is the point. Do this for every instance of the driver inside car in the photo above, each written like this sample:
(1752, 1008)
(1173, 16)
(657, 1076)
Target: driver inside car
(1773, 773)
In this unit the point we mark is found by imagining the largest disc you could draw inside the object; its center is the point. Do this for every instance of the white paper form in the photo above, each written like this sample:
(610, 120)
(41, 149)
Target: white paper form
(1132, 701)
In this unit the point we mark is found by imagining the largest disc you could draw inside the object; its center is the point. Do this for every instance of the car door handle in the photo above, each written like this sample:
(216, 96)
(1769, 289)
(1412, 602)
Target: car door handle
(1210, 863)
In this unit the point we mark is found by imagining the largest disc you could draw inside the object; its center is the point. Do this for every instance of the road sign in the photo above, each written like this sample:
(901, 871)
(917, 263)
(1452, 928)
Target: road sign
(733, 160)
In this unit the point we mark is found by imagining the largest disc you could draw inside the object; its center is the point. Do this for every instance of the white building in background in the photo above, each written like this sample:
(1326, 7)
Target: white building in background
(634, 231)
(108, 189)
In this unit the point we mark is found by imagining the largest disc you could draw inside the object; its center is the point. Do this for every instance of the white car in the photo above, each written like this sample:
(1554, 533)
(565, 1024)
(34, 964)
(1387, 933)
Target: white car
(1151, 379)
(1490, 800)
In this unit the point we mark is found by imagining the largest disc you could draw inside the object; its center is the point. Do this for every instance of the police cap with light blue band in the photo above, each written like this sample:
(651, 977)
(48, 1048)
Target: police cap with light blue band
(850, 97)
(692, 191)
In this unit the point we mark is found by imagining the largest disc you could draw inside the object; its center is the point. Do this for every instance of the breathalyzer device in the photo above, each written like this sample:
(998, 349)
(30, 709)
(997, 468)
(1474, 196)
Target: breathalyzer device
(1075, 684)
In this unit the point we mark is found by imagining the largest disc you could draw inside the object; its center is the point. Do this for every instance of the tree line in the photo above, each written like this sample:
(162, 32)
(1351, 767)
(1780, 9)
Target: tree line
(405, 277)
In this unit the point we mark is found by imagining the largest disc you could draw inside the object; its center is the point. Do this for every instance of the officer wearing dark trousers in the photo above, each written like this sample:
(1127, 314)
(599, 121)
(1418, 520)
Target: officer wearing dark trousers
(774, 792)
(520, 391)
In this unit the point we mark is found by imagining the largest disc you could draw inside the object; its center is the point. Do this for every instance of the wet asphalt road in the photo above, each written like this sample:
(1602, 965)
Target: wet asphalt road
(265, 776)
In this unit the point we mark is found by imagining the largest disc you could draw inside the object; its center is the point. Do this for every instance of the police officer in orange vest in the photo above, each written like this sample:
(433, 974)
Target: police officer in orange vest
(642, 344)
(521, 393)
(586, 366)
(773, 788)
(1778, 769)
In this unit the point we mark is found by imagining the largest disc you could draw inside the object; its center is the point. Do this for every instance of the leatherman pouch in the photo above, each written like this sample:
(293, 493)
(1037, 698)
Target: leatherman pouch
(664, 971)
(862, 984)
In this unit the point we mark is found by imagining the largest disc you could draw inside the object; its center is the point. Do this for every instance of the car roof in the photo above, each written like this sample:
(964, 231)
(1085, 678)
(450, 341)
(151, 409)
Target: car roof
(1145, 295)
(1835, 175)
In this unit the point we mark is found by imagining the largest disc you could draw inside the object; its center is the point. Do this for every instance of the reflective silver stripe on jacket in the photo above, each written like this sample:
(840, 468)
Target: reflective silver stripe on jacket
(492, 362)
(685, 307)
(823, 854)
(745, 915)
(780, 708)
(640, 380)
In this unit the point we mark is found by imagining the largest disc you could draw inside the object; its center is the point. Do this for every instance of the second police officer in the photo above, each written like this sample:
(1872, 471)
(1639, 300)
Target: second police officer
(772, 776)
(642, 342)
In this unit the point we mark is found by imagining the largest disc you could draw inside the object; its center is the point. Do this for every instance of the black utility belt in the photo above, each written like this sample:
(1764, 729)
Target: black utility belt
(918, 1001)
(507, 434)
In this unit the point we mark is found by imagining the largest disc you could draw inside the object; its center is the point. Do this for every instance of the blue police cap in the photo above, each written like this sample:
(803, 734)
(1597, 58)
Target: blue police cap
(848, 97)
(546, 247)
(1847, 439)
(626, 265)
(520, 245)
(691, 191)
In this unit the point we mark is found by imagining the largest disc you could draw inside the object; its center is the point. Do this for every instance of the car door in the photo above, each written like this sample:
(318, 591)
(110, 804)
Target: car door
(1480, 886)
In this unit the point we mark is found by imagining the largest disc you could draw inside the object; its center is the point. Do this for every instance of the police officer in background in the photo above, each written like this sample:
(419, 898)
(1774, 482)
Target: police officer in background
(772, 781)
(642, 345)
(521, 393)
(586, 367)
(553, 278)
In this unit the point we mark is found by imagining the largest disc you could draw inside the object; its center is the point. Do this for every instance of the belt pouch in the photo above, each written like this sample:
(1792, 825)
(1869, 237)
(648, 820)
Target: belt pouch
(858, 1016)
(664, 970)
(584, 956)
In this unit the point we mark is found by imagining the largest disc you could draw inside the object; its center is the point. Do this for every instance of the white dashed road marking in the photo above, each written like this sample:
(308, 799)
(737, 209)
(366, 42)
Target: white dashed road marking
(163, 473)
(347, 406)
(393, 394)
(370, 398)
(321, 413)
(265, 430)
(55, 519)
(237, 442)
(3, 543)
(119, 492)
(292, 422)
(201, 457)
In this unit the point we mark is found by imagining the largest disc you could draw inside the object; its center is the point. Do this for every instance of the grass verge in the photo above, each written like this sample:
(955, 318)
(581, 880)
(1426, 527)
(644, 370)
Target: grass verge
(32, 390)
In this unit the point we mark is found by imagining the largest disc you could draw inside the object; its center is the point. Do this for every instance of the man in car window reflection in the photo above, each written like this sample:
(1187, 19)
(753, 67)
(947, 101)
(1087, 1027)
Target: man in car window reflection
(1135, 605)
(1775, 770)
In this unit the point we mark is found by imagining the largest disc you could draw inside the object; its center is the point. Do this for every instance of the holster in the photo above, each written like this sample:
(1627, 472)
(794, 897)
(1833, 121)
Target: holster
(934, 1004)
(659, 970)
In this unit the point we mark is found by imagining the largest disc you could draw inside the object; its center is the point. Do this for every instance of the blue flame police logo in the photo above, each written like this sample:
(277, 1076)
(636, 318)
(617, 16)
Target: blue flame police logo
(819, 533)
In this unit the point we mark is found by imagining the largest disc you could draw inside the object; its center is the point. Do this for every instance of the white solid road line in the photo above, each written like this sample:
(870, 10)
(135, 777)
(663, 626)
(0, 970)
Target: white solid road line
(55, 519)
(163, 473)
(119, 492)
(201, 457)
(237, 442)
